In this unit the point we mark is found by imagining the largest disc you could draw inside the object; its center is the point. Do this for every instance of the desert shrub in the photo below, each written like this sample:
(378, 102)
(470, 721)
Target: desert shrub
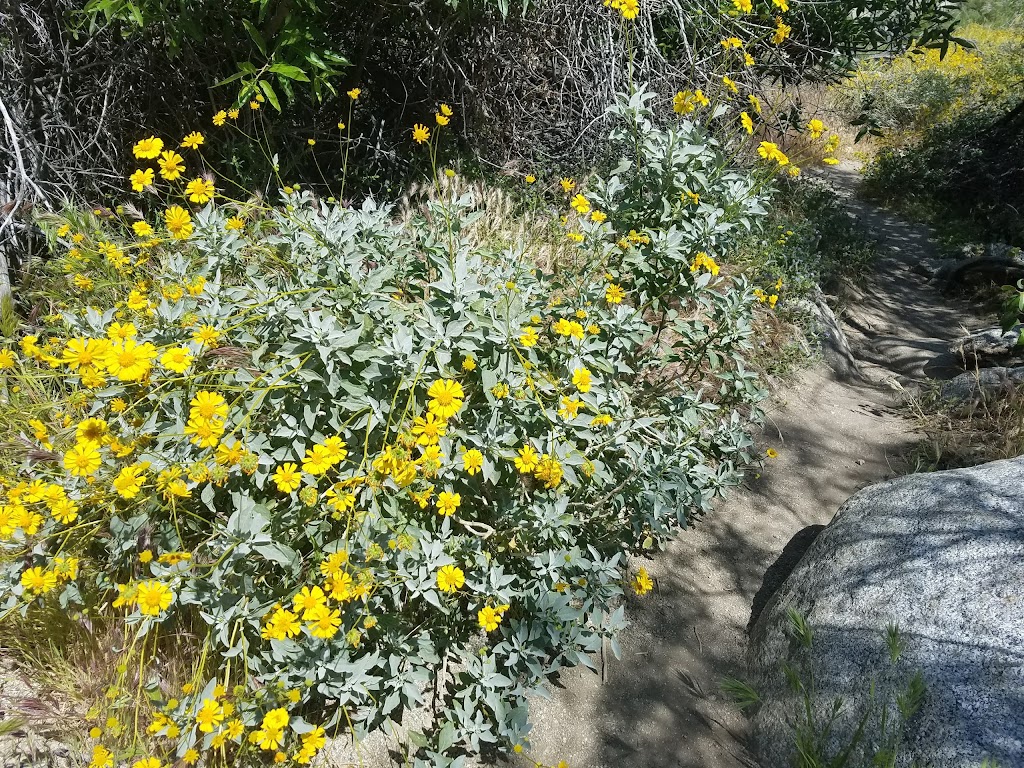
(349, 464)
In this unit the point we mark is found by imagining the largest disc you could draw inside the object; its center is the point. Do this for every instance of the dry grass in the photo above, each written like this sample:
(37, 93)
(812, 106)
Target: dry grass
(508, 221)
(65, 672)
(989, 428)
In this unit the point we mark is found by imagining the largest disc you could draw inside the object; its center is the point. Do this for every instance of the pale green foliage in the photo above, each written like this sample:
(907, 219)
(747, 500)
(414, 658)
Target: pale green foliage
(336, 321)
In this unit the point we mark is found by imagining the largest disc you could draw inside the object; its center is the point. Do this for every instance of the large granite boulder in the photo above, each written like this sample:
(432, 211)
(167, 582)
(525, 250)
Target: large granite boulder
(941, 555)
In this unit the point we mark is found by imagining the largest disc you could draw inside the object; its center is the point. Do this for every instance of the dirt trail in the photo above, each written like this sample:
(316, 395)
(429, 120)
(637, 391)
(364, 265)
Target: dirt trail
(660, 706)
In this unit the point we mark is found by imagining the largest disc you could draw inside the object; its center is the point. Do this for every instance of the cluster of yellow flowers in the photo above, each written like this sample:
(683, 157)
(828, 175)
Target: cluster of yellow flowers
(629, 9)
(705, 262)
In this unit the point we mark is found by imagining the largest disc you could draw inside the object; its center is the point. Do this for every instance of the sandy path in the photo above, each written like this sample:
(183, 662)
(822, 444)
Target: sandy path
(660, 706)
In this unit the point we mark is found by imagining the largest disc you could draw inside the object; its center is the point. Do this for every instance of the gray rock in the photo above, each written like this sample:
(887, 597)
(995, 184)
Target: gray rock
(975, 386)
(994, 262)
(942, 555)
(990, 347)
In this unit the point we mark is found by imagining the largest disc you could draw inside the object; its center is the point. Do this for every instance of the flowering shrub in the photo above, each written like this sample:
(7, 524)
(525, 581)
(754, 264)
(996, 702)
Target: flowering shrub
(911, 93)
(952, 154)
(371, 465)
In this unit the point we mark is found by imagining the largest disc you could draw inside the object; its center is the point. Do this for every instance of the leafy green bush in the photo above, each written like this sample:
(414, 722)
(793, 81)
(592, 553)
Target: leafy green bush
(370, 465)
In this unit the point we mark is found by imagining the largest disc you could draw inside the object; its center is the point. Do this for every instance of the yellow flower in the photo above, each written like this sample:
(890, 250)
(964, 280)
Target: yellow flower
(323, 622)
(683, 103)
(782, 5)
(307, 601)
(743, 6)
(129, 361)
(629, 9)
(614, 294)
(468, 363)
(450, 579)
(420, 133)
(601, 420)
(153, 597)
(220, 118)
(580, 204)
(101, 757)
(333, 566)
(209, 716)
(570, 407)
(490, 617)
(317, 460)
(83, 459)
(148, 149)
(280, 624)
(703, 261)
(567, 184)
(730, 84)
(38, 581)
(446, 398)
(598, 217)
(354, 93)
(755, 103)
(121, 331)
(140, 179)
(178, 221)
(7, 359)
(83, 353)
(642, 583)
(199, 190)
(171, 165)
(428, 429)
(287, 477)
(548, 471)
(581, 379)
(530, 178)
(771, 453)
(191, 757)
(526, 460)
(782, 31)
(176, 359)
(830, 161)
(770, 151)
(206, 335)
(234, 224)
(748, 124)
(816, 128)
(311, 142)
(142, 229)
(233, 114)
(254, 105)
(130, 480)
(447, 503)
(472, 461)
(193, 140)
(441, 120)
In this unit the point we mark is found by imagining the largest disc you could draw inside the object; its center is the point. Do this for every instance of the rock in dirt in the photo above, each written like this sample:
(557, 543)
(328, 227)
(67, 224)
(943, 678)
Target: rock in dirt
(974, 386)
(834, 345)
(997, 262)
(941, 555)
(990, 347)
